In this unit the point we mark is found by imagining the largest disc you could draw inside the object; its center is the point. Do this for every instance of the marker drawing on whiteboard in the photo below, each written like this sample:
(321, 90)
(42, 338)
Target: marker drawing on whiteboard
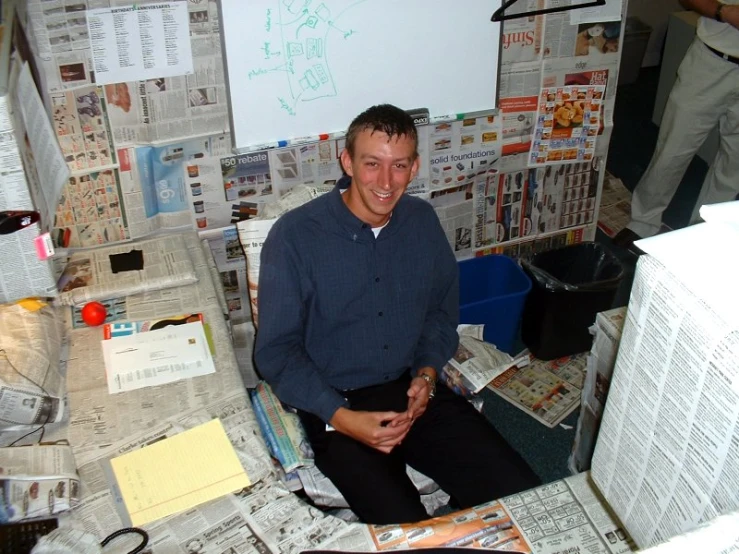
(297, 35)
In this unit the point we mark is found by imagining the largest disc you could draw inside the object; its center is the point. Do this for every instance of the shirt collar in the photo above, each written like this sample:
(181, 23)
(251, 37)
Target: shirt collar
(347, 219)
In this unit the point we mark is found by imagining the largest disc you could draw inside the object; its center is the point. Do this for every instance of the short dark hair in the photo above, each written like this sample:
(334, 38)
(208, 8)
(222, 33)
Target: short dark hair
(384, 118)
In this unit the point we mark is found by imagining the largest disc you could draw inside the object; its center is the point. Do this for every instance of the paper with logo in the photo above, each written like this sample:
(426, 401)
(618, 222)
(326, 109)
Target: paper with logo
(178, 473)
(156, 357)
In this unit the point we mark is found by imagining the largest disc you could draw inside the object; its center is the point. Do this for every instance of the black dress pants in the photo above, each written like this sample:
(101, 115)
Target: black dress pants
(451, 443)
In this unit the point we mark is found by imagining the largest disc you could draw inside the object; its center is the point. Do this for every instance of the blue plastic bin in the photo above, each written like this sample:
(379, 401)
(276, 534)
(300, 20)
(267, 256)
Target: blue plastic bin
(492, 290)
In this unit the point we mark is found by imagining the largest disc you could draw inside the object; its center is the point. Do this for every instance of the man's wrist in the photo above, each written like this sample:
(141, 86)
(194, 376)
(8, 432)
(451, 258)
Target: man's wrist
(730, 15)
(718, 14)
(428, 374)
(427, 370)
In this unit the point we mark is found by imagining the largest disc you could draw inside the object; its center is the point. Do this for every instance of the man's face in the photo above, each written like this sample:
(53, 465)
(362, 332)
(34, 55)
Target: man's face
(381, 169)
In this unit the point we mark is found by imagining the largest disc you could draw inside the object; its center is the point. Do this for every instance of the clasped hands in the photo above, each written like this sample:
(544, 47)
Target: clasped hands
(384, 430)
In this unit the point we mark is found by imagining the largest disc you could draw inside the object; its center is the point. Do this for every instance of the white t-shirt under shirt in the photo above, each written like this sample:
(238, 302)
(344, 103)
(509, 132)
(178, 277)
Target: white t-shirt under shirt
(721, 36)
(375, 230)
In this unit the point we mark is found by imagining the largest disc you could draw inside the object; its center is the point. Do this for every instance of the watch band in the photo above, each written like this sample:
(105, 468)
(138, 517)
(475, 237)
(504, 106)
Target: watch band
(432, 383)
(717, 16)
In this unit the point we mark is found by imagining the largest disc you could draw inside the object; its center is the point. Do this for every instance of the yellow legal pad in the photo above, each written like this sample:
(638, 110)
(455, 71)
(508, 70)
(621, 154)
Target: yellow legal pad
(179, 473)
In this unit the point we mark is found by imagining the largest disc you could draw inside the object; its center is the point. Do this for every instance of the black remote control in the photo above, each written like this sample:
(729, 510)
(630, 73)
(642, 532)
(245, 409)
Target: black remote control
(20, 538)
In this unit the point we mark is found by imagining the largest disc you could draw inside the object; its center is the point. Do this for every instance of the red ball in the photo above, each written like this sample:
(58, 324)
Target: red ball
(94, 314)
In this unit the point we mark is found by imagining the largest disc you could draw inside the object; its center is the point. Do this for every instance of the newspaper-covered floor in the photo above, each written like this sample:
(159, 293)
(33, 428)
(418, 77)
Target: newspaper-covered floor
(548, 391)
(615, 206)
(266, 517)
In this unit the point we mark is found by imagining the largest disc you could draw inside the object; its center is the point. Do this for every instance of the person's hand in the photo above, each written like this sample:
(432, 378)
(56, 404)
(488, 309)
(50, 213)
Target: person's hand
(380, 430)
(730, 14)
(418, 393)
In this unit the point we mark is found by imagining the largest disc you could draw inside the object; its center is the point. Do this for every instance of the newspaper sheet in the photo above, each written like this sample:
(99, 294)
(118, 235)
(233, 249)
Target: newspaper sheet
(567, 124)
(22, 273)
(462, 154)
(97, 414)
(561, 517)
(53, 172)
(522, 37)
(229, 276)
(284, 433)
(548, 391)
(37, 481)
(140, 42)
(474, 365)
(230, 269)
(567, 516)
(667, 456)
(32, 370)
(486, 526)
(606, 338)
(265, 518)
(253, 233)
(157, 109)
(615, 206)
(120, 270)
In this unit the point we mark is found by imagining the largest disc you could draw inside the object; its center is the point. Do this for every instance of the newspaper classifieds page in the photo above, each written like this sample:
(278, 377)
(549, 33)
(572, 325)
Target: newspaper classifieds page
(123, 269)
(568, 515)
(667, 456)
(548, 391)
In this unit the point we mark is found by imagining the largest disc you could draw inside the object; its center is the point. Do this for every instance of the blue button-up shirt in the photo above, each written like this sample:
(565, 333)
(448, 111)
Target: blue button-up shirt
(340, 309)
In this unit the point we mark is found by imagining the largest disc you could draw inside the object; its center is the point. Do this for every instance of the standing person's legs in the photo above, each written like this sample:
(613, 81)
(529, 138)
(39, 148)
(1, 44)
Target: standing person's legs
(375, 485)
(459, 449)
(722, 181)
(693, 108)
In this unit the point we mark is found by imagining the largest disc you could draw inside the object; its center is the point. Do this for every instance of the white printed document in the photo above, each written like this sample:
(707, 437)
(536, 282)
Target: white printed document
(157, 357)
(140, 42)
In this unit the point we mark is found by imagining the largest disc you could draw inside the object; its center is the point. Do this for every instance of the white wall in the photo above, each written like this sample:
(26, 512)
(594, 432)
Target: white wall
(654, 13)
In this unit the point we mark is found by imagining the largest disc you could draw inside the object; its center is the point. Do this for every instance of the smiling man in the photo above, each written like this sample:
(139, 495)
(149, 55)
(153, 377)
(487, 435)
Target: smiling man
(358, 295)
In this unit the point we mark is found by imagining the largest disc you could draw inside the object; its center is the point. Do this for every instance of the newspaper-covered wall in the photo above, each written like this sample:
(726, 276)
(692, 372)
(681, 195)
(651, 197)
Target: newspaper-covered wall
(666, 456)
(155, 154)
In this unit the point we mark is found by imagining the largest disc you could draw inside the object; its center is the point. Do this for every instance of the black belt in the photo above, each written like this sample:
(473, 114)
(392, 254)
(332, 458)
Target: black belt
(720, 54)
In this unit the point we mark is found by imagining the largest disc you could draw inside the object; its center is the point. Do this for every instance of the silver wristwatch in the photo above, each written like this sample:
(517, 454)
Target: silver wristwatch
(432, 383)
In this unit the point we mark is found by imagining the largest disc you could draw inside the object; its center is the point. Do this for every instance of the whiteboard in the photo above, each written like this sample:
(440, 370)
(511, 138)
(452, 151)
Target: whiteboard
(297, 69)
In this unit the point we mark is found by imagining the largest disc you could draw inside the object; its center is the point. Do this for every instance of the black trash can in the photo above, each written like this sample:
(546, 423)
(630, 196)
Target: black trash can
(570, 285)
